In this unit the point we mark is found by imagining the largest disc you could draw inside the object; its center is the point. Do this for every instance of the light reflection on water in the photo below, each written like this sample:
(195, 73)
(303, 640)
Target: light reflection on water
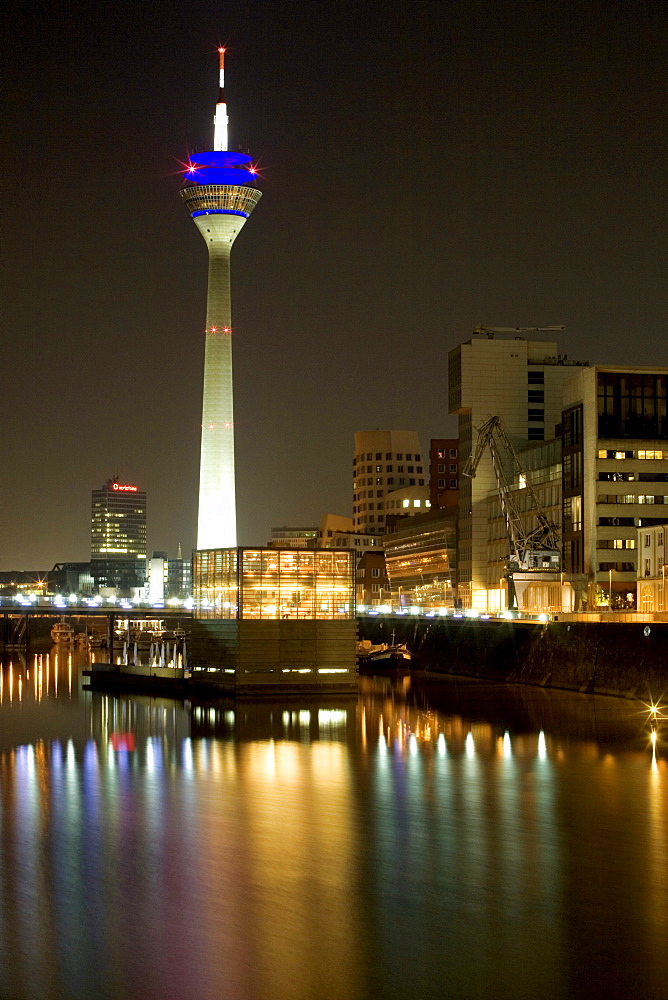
(468, 842)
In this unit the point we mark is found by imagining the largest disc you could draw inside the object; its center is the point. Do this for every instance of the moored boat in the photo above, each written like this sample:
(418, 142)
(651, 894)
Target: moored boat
(384, 658)
(62, 632)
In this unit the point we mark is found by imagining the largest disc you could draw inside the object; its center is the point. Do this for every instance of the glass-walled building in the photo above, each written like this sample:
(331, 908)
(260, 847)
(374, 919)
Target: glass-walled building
(268, 583)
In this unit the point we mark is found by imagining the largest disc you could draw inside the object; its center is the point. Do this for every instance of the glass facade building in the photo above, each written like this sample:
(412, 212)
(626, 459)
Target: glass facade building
(268, 583)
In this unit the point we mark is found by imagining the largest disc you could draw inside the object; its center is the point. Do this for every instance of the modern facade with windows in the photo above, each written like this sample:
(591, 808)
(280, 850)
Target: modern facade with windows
(372, 586)
(444, 472)
(615, 479)
(271, 584)
(521, 381)
(652, 568)
(384, 461)
(118, 538)
(420, 553)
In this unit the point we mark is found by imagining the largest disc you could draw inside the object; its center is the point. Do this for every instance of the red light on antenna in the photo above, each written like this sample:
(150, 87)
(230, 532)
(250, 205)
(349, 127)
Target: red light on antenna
(220, 48)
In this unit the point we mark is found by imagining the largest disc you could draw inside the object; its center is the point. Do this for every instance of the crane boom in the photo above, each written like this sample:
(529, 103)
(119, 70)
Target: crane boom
(531, 548)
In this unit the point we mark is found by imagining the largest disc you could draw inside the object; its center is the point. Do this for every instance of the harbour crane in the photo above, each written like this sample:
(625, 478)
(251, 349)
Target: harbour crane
(531, 548)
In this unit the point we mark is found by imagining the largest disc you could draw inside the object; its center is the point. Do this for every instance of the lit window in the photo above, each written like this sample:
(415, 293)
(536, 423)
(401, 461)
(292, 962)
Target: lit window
(416, 503)
(406, 503)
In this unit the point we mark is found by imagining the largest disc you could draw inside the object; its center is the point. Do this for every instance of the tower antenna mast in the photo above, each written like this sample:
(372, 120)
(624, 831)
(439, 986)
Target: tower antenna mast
(220, 119)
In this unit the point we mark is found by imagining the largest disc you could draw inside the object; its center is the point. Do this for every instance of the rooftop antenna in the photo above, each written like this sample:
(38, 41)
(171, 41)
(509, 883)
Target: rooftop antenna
(220, 119)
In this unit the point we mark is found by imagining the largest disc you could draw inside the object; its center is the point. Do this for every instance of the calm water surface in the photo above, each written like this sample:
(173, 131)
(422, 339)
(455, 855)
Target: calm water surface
(464, 841)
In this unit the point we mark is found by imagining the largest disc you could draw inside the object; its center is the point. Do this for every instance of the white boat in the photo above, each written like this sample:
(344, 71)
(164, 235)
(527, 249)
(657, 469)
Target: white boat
(395, 657)
(383, 657)
(62, 632)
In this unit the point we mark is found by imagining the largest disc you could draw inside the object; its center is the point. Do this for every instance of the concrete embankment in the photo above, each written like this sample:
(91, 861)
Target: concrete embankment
(625, 659)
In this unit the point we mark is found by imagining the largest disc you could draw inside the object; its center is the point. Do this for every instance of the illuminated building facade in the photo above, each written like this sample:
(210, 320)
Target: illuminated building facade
(271, 583)
(444, 472)
(371, 581)
(118, 537)
(420, 555)
(300, 537)
(267, 619)
(218, 194)
(521, 381)
(652, 565)
(615, 478)
(383, 461)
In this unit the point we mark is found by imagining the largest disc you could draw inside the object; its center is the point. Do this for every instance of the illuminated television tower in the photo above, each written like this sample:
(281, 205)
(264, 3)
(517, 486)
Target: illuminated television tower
(217, 195)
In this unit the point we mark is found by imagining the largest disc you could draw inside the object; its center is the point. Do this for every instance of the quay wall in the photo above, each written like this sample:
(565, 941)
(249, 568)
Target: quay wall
(628, 659)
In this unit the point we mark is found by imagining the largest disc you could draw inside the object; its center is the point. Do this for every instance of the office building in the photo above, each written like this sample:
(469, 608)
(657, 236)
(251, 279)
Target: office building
(300, 537)
(521, 381)
(338, 532)
(219, 194)
(420, 556)
(372, 586)
(118, 538)
(384, 461)
(615, 477)
(444, 472)
(651, 569)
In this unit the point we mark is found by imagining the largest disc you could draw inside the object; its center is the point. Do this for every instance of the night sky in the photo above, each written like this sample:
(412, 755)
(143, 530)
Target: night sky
(426, 167)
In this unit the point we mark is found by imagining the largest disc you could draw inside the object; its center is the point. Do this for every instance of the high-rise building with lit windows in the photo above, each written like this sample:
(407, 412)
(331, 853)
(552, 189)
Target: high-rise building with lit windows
(520, 380)
(384, 461)
(118, 537)
(219, 194)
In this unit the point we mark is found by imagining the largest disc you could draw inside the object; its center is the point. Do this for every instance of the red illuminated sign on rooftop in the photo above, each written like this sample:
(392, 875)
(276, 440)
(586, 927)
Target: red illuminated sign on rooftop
(125, 489)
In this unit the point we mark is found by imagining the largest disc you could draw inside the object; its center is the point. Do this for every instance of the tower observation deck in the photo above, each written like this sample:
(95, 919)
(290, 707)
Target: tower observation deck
(219, 195)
